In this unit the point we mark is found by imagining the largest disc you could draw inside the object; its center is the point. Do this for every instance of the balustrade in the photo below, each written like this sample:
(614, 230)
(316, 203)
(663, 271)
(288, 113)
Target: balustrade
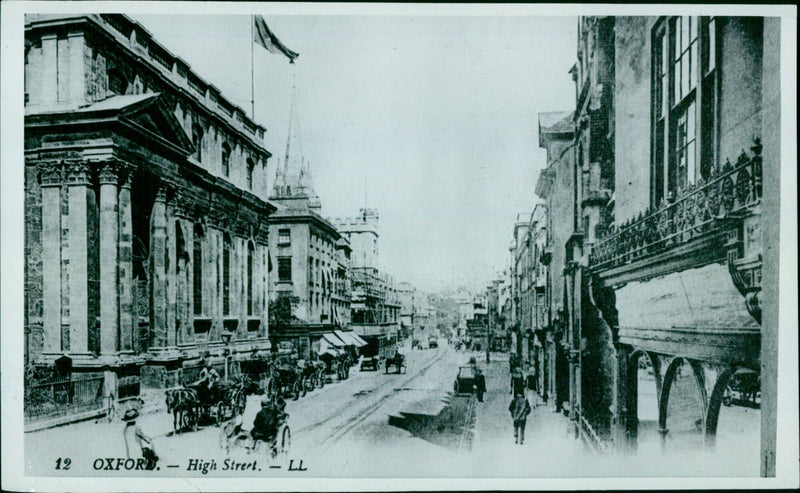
(697, 210)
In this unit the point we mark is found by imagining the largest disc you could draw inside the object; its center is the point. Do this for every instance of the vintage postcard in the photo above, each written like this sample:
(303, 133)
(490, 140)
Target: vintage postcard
(272, 246)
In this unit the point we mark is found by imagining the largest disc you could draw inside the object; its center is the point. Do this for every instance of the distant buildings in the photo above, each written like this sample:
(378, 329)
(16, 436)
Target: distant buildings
(375, 303)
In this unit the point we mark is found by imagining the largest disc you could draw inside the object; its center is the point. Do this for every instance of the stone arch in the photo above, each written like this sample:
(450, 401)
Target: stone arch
(663, 396)
(669, 379)
(714, 402)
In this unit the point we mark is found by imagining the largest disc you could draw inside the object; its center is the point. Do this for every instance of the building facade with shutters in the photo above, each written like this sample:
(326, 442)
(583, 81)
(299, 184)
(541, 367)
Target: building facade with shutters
(145, 203)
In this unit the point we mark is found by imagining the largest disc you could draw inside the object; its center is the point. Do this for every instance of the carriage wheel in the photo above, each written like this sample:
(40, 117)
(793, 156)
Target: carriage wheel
(312, 384)
(321, 378)
(286, 440)
(303, 386)
(241, 402)
(296, 390)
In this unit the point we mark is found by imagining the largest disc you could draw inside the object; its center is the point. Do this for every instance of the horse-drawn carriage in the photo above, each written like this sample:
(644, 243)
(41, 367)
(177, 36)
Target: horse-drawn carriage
(398, 362)
(192, 405)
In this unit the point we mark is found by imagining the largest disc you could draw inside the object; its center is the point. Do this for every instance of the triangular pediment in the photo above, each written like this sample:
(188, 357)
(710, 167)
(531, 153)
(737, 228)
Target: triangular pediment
(152, 116)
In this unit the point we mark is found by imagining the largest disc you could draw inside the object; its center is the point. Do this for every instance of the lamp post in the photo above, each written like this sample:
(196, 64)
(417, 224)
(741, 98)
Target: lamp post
(226, 338)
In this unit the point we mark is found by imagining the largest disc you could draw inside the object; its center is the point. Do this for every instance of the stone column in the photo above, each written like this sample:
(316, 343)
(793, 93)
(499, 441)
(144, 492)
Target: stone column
(128, 319)
(51, 256)
(78, 178)
(109, 242)
(172, 274)
(158, 322)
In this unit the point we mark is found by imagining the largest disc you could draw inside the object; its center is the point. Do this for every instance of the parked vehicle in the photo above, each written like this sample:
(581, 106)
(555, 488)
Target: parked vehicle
(370, 363)
(398, 361)
(433, 342)
(466, 380)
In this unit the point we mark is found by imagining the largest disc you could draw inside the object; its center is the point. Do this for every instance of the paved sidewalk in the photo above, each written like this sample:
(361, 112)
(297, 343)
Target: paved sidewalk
(550, 448)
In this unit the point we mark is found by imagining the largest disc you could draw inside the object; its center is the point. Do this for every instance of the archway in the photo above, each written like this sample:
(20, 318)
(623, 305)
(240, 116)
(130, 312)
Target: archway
(682, 403)
(643, 396)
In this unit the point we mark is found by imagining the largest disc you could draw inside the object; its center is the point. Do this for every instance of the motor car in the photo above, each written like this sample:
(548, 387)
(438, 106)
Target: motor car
(465, 380)
(433, 343)
(370, 363)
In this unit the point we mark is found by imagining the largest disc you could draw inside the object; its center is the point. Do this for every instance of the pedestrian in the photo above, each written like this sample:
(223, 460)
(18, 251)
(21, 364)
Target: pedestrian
(517, 383)
(480, 383)
(134, 435)
(519, 408)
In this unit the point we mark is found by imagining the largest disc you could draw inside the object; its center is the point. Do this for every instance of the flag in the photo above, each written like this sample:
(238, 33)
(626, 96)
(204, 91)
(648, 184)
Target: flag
(264, 37)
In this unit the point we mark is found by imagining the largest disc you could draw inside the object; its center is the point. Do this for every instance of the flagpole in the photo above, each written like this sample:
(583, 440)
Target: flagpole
(252, 70)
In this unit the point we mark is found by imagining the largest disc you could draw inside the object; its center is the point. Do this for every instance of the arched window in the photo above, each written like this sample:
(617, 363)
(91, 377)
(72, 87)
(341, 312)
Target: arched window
(226, 159)
(250, 254)
(226, 274)
(197, 141)
(197, 261)
(250, 166)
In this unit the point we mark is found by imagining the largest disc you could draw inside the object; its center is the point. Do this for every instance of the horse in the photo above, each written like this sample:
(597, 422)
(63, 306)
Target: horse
(183, 404)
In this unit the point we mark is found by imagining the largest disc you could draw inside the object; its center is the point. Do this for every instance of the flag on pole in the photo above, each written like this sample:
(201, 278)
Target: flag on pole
(264, 37)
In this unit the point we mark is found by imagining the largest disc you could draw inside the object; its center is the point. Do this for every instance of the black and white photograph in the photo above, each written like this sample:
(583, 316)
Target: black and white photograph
(259, 246)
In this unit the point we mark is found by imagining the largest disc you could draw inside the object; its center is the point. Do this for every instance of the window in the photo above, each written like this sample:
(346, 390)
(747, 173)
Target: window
(197, 261)
(197, 141)
(684, 101)
(250, 253)
(250, 166)
(226, 274)
(284, 236)
(226, 159)
(284, 269)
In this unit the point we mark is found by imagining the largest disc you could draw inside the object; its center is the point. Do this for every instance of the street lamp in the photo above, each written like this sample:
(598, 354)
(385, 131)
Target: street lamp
(226, 338)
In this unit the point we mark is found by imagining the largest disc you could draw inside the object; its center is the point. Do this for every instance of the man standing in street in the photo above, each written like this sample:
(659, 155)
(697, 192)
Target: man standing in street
(519, 409)
(480, 383)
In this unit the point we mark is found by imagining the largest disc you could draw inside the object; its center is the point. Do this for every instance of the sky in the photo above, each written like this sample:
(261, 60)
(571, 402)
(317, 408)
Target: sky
(432, 120)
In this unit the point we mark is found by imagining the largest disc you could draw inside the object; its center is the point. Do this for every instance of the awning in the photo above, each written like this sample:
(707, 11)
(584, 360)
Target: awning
(358, 338)
(348, 337)
(333, 340)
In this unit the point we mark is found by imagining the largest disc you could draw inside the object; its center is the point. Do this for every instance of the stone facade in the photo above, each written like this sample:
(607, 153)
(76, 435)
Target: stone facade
(146, 211)
(667, 275)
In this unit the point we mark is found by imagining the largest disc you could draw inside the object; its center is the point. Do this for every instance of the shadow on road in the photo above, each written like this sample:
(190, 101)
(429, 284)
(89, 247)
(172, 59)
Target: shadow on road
(445, 429)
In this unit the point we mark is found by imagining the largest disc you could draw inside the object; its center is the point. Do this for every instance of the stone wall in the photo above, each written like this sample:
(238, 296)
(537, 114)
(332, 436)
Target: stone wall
(632, 121)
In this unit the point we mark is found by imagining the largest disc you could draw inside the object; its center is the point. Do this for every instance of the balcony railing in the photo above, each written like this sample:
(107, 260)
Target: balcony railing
(696, 211)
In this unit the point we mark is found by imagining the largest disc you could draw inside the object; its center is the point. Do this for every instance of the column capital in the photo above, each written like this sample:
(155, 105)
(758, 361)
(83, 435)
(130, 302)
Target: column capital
(161, 193)
(51, 173)
(184, 206)
(77, 172)
(109, 172)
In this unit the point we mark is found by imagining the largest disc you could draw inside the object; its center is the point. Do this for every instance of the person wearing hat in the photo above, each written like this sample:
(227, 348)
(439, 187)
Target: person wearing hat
(134, 436)
(480, 383)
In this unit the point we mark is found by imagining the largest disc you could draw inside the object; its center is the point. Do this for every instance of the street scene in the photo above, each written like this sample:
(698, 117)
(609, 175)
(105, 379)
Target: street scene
(399, 246)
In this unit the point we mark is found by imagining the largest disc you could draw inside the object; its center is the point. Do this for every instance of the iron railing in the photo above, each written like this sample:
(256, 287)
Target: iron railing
(697, 210)
(61, 396)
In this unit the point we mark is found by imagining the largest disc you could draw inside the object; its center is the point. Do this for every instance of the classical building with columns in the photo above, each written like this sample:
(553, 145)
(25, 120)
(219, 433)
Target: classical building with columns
(146, 235)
